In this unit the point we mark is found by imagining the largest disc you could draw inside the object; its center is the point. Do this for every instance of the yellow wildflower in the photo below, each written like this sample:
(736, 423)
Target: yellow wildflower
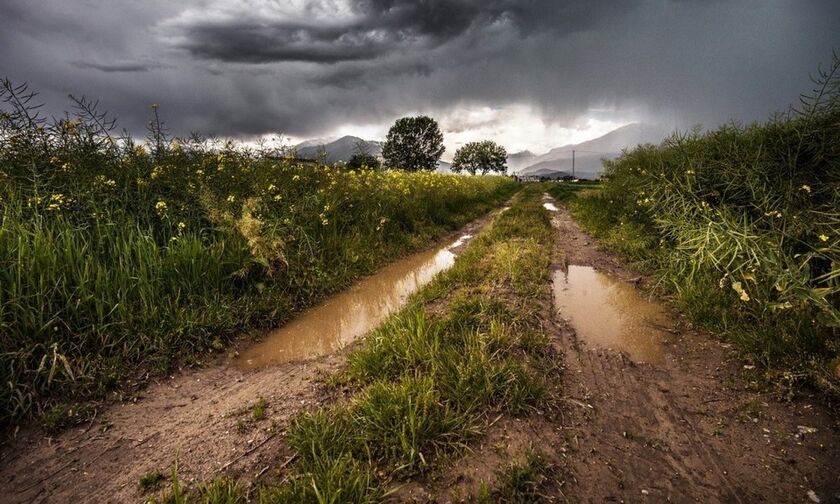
(160, 207)
(105, 181)
(182, 226)
(823, 237)
(231, 198)
(806, 188)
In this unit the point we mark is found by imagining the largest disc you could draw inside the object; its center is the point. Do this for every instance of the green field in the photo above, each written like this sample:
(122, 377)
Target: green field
(115, 256)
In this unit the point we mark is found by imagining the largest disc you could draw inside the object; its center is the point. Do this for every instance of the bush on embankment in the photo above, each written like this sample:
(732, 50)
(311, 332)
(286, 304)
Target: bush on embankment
(114, 254)
(743, 225)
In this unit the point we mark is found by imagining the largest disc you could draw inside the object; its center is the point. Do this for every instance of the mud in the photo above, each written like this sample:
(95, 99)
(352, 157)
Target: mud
(200, 416)
(607, 313)
(694, 427)
(340, 320)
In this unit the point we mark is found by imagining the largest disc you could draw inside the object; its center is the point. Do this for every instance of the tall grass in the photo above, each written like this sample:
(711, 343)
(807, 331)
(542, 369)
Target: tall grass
(743, 224)
(114, 254)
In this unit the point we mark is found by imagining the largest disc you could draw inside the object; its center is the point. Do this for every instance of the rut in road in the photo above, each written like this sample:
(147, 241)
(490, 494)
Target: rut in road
(688, 428)
(202, 417)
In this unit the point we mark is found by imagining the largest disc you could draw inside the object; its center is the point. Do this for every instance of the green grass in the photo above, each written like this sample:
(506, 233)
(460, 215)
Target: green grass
(565, 190)
(114, 255)
(259, 410)
(427, 379)
(219, 491)
(519, 483)
(741, 224)
(151, 480)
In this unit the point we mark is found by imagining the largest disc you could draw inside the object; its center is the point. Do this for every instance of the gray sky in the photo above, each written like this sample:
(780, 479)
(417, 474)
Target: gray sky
(527, 73)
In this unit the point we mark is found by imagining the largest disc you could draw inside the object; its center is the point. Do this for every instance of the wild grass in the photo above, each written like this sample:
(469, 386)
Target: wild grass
(428, 379)
(565, 190)
(742, 224)
(219, 491)
(115, 255)
(520, 482)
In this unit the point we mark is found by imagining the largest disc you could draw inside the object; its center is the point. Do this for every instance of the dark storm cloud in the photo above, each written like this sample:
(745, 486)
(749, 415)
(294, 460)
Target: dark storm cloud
(306, 67)
(379, 27)
(117, 66)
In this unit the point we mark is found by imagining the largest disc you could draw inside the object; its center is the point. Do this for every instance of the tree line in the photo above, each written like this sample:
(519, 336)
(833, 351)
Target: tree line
(416, 143)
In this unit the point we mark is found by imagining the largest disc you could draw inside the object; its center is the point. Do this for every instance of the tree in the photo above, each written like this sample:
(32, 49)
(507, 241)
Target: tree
(480, 157)
(362, 157)
(413, 143)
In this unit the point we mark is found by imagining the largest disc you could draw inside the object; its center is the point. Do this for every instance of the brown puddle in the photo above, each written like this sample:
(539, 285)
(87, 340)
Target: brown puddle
(341, 319)
(608, 313)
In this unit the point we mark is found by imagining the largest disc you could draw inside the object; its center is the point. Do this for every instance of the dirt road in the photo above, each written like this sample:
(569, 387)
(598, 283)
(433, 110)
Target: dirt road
(690, 428)
(203, 417)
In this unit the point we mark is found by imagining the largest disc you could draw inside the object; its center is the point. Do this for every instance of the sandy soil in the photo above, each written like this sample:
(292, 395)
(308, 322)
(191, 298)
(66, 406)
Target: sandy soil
(689, 429)
(201, 416)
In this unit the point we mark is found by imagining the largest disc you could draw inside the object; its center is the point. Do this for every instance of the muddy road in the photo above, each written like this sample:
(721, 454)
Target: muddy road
(660, 412)
(651, 409)
(205, 417)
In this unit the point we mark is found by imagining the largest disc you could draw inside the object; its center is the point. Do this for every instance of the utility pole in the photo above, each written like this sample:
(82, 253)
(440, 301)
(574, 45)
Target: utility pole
(573, 163)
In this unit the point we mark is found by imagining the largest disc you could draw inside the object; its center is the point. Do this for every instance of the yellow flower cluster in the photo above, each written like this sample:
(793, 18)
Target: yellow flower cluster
(105, 181)
(56, 202)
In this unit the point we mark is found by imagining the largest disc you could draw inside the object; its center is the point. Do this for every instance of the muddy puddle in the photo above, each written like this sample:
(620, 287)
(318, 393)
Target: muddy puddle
(341, 319)
(608, 313)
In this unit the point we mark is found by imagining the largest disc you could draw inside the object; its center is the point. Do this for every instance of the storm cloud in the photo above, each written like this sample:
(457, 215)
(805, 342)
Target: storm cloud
(307, 68)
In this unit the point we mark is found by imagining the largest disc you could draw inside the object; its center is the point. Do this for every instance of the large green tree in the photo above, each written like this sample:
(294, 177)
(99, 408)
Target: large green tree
(413, 143)
(482, 157)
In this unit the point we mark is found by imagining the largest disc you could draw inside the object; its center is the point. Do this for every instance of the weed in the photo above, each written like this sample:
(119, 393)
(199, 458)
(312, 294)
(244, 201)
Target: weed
(520, 482)
(219, 491)
(259, 410)
(151, 480)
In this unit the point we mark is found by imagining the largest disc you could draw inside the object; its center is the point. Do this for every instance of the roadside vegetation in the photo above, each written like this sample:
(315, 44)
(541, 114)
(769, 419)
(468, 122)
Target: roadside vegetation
(115, 255)
(427, 383)
(742, 225)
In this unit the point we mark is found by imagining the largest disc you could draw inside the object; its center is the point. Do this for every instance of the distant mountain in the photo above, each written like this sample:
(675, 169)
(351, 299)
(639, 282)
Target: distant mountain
(588, 155)
(520, 160)
(444, 167)
(337, 150)
(555, 163)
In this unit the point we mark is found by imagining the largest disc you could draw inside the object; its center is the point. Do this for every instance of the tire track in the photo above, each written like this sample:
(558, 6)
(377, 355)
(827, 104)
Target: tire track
(646, 431)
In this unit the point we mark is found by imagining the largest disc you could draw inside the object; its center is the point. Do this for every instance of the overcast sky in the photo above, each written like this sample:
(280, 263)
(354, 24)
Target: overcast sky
(528, 73)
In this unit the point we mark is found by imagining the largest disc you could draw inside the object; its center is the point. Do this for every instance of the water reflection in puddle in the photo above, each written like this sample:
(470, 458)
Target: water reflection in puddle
(550, 207)
(341, 319)
(608, 313)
